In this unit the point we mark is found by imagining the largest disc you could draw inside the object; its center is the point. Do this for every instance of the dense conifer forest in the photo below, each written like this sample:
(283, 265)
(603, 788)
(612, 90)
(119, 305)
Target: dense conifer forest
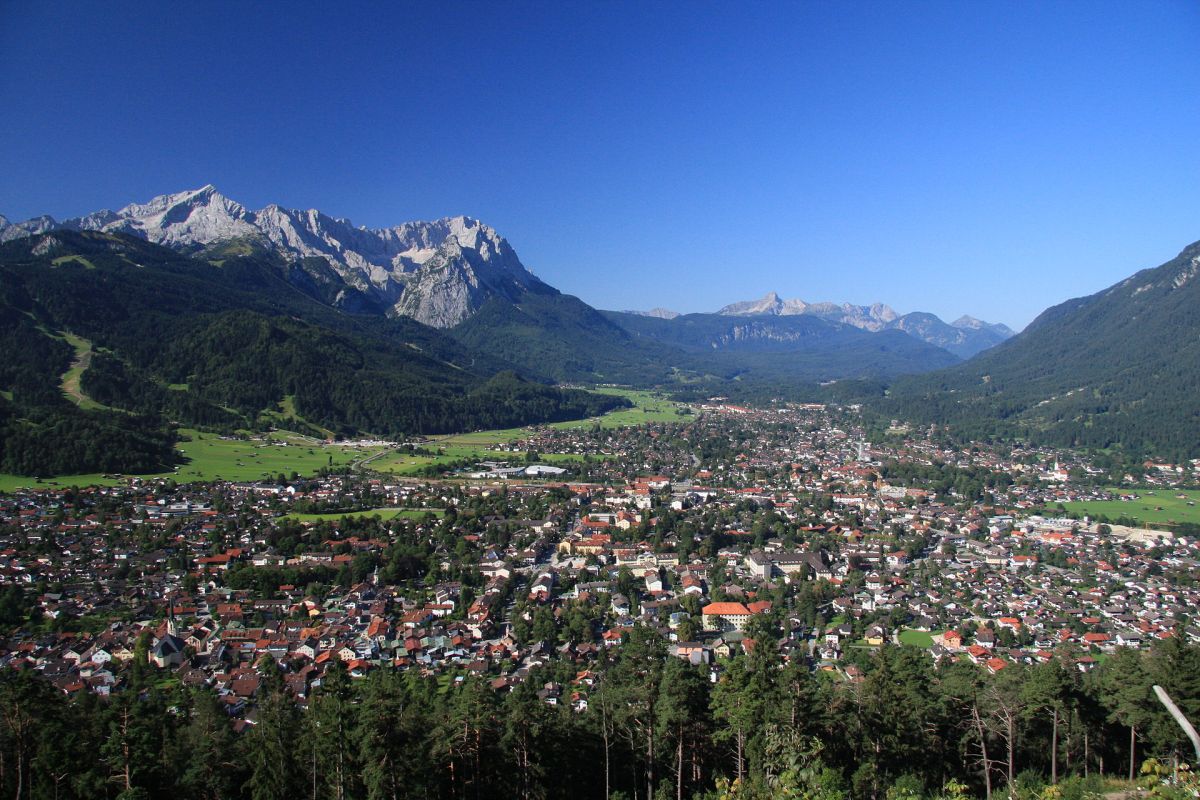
(654, 726)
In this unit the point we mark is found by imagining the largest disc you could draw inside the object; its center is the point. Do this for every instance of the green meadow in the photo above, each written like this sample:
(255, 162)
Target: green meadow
(483, 445)
(72, 379)
(1158, 506)
(211, 457)
(76, 259)
(914, 638)
(382, 513)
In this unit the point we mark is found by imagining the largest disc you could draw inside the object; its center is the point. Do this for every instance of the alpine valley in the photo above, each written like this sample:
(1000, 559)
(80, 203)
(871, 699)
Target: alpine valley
(192, 309)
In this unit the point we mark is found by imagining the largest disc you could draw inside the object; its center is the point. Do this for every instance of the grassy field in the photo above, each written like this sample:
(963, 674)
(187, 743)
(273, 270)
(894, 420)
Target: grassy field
(285, 415)
(73, 377)
(647, 407)
(1157, 506)
(58, 262)
(482, 445)
(382, 513)
(916, 638)
(211, 457)
(214, 458)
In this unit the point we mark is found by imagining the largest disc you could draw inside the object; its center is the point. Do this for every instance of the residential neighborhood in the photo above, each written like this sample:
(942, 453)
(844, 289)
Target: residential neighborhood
(712, 531)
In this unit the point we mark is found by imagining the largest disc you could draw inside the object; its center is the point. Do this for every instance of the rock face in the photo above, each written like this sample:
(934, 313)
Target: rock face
(657, 313)
(771, 303)
(870, 318)
(438, 273)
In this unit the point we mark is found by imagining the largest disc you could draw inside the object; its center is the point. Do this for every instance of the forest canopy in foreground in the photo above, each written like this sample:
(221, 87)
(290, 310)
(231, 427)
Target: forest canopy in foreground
(653, 726)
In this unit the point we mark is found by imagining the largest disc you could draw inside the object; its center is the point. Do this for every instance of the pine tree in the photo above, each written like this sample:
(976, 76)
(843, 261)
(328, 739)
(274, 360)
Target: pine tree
(329, 734)
(208, 749)
(1126, 689)
(682, 712)
(269, 747)
(1046, 691)
(382, 739)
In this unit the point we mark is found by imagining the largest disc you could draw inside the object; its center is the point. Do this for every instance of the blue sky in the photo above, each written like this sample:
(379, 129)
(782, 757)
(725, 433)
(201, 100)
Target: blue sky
(982, 158)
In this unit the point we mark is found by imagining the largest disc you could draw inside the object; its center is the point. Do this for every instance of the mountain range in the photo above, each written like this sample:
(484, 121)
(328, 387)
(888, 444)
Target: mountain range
(964, 337)
(225, 340)
(193, 309)
(438, 273)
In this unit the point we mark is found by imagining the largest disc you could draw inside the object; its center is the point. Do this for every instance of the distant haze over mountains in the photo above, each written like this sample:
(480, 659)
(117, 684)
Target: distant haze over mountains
(964, 337)
(657, 313)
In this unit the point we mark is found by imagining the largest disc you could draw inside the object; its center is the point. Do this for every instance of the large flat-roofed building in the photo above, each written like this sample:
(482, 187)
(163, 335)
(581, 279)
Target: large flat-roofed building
(768, 565)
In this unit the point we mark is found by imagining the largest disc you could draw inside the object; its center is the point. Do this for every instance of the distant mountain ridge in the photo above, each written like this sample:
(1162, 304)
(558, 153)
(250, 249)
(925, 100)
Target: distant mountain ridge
(461, 276)
(782, 348)
(438, 273)
(441, 273)
(965, 337)
(657, 313)
(872, 318)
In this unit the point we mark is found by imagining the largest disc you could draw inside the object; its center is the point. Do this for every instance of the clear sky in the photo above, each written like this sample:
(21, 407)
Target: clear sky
(959, 157)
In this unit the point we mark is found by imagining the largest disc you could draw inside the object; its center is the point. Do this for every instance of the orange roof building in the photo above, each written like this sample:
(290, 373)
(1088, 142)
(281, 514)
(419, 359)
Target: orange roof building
(725, 616)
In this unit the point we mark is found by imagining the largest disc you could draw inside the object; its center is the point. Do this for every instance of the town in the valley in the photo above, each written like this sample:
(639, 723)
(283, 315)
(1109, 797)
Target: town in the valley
(789, 527)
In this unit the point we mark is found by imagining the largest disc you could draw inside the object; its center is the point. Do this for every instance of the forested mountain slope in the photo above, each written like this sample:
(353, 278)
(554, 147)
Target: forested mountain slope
(219, 342)
(785, 348)
(1120, 368)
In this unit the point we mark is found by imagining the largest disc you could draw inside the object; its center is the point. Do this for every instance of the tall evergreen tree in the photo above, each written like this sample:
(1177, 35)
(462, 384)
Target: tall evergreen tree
(269, 748)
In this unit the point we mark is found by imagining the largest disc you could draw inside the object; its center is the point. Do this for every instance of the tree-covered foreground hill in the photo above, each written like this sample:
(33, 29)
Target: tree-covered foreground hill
(638, 724)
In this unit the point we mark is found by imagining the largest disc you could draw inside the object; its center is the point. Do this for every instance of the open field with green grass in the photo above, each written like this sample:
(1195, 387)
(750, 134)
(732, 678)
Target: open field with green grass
(73, 377)
(232, 459)
(382, 513)
(212, 457)
(647, 407)
(916, 638)
(1158, 506)
(77, 259)
(285, 415)
(482, 445)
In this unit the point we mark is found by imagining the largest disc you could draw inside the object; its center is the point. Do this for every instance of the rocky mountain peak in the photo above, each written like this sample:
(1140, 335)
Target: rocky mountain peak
(969, 323)
(473, 261)
(657, 313)
(964, 338)
(770, 303)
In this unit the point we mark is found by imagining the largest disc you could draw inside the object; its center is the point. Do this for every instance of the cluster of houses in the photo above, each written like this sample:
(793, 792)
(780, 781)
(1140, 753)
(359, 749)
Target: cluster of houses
(665, 531)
